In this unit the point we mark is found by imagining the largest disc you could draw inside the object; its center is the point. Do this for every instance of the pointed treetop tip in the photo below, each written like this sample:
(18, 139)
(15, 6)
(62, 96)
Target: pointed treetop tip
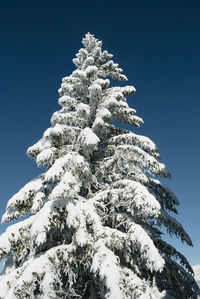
(89, 35)
(90, 41)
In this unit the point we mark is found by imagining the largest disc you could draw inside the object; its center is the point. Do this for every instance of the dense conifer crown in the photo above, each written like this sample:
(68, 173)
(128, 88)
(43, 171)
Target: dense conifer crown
(92, 225)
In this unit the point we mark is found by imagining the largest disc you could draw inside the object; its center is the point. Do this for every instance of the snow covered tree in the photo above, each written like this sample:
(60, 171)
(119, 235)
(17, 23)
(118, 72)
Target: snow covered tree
(91, 225)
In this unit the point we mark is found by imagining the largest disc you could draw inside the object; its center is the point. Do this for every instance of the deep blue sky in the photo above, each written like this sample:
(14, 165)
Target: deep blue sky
(157, 43)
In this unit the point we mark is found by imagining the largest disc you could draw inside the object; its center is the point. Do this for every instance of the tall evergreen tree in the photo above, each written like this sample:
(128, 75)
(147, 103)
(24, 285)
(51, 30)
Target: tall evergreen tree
(92, 225)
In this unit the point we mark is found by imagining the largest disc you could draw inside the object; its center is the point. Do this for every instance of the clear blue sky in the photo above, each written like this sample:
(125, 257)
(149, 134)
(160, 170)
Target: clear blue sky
(157, 43)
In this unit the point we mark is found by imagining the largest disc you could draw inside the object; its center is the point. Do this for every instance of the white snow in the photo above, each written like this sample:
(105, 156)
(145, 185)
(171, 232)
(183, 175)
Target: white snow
(104, 83)
(95, 90)
(104, 113)
(42, 220)
(4, 244)
(71, 161)
(89, 61)
(46, 157)
(128, 90)
(40, 266)
(91, 71)
(35, 149)
(25, 194)
(88, 140)
(12, 235)
(98, 122)
(134, 139)
(150, 253)
(67, 88)
(110, 103)
(68, 187)
(83, 110)
(80, 74)
(132, 197)
(57, 169)
(143, 159)
(196, 270)
(66, 101)
(82, 212)
(106, 264)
